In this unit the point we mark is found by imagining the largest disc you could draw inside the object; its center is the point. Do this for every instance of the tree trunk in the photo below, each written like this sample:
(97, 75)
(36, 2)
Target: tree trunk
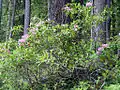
(81, 2)
(27, 16)
(55, 12)
(9, 20)
(99, 32)
(13, 16)
(108, 22)
(0, 13)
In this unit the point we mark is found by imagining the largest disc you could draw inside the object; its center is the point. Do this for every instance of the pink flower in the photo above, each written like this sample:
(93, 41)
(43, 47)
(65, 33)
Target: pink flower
(21, 40)
(75, 26)
(105, 45)
(33, 31)
(38, 24)
(98, 53)
(8, 51)
(26, 36)
(67, 8)
(88, 4)
(100, 48)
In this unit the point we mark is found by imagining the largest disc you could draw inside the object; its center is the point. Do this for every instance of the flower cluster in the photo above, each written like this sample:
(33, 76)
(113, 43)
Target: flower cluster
(100, 49)
(23, 39)
(5, 50)
(89, 4)
(75, 27)
(33, 31)
(67, 8)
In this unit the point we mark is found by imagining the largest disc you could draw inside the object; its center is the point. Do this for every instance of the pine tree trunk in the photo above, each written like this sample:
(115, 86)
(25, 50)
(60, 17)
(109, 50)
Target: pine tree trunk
(0, 13)
(9, 20)
(99, 32)
(27, 16)
(55, 12)
(108, 22)
(13, 17)
(82, 2)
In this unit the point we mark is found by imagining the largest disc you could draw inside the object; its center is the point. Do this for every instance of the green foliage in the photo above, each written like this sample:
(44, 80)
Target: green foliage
(17, 31)
(113, 87)
(83, 20)
(81, 86)
(39, 8)
(115, 17)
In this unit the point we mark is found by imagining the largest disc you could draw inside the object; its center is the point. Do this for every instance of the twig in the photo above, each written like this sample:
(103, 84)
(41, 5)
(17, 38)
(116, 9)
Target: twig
(102, 85)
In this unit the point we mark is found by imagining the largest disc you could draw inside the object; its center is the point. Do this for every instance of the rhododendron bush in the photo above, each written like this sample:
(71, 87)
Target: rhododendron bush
(59, 57)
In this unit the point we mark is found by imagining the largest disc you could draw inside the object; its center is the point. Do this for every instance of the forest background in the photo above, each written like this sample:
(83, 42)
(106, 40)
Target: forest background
(59, 45)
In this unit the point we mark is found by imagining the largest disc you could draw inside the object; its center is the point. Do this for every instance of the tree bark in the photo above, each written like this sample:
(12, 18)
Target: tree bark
(0, 13)
(108, 22)
(13, 17)
(82, 2)
(9, 20)
(99, 32)
(27, 16)
(55, 12)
